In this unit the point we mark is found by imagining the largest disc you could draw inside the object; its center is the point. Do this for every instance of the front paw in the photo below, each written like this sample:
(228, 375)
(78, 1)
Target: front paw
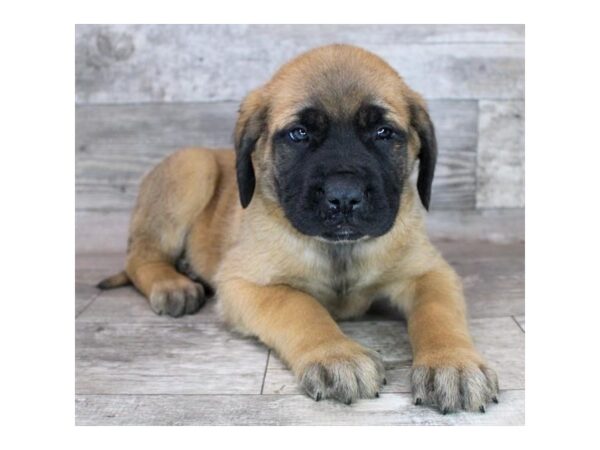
(342, 371)
(176, 297)
(453, 382)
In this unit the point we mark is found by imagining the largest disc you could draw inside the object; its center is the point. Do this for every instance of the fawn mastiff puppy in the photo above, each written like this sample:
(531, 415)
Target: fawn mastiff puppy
(310, 219)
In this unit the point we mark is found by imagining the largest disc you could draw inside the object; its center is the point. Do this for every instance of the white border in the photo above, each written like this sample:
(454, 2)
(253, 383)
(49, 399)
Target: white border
(38, 204)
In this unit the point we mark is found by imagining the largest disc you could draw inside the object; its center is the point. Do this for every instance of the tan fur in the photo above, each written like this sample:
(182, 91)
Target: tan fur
(280, 285)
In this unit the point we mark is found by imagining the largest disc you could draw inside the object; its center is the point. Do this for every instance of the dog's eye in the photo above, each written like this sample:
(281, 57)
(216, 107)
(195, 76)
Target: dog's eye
(384, 133)
(299, 134)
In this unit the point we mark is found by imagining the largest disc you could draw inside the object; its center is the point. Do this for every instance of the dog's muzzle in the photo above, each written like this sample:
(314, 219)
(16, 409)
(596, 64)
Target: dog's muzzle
(342, 197)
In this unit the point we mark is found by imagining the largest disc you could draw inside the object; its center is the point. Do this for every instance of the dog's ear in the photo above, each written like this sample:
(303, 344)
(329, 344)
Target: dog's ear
(250, 125)
(421, 122)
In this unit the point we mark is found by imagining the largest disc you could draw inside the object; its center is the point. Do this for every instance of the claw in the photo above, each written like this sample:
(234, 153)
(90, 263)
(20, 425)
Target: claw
(482, 408)
(445, 411)
(376, 394)
(418, 401)
(348, 402)
(495, 399)
(384, 381)
(318, 396)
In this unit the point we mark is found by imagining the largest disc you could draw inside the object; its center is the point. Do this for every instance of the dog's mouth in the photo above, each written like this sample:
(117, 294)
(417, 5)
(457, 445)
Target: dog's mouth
(343, 234)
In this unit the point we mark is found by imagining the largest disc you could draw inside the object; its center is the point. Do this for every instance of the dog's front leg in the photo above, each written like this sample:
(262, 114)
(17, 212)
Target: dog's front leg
(447, 369)
(326, 362)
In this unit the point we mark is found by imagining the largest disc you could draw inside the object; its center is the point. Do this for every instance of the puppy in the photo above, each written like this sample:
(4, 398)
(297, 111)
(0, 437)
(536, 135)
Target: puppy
(311, 218)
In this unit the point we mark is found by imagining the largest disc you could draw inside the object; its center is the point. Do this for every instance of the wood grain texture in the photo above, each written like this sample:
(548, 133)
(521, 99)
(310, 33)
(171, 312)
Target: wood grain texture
(127, 305)
(172, 357)
(493, 276)
(117, 144)
(501, 154)
(91, 267)
(84, 295)
(390, 409)
(133, 63)
(501, 226)
(500, 341)
(521, 321)
(101, 232)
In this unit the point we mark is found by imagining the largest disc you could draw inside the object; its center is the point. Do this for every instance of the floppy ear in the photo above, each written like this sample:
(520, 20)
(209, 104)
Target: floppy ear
(421, 122)
(248, 129)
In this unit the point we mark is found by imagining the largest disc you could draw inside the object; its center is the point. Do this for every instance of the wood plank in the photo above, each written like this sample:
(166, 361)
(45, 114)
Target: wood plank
(100, 232)
(493, 276)
(126, 134)
(501, 226)
(521, 321)
(165, 358)
(102, 197)
(501, 154)
(389, 409)
(90, 268)
(127, 305)
(133, 63)
(455, 183)
(84, 296)
(117, 144)
(499, 339)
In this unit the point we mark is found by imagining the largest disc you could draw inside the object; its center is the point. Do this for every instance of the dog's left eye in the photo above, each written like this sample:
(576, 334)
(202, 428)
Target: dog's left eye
(384, 133)
(299, 134)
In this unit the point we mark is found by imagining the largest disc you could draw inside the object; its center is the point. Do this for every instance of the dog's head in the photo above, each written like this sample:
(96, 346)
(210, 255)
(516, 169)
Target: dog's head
(332, 139)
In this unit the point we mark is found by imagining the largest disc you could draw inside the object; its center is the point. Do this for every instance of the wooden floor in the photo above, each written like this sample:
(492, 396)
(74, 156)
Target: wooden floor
(136, 368)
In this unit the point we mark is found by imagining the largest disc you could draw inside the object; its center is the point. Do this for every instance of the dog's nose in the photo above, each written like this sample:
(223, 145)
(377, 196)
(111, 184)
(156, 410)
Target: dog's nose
(343, 194)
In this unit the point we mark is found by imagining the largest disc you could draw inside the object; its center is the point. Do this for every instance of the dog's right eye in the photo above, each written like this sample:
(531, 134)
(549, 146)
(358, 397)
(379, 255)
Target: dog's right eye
(299, 134)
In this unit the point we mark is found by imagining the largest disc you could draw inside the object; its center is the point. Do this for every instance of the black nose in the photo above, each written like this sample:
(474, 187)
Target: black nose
(343, 194)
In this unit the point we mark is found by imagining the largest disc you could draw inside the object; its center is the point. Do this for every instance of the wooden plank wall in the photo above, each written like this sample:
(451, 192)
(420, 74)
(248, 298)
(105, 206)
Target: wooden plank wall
(143, 91)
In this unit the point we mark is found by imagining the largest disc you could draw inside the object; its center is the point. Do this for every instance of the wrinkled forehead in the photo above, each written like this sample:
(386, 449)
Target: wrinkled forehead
(339, 92)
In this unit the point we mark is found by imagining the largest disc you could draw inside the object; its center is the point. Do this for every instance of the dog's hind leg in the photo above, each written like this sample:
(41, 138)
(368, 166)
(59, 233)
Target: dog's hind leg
(171, 197)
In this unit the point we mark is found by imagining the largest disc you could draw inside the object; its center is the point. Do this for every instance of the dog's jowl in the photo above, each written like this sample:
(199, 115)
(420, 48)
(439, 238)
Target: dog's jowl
(312, 217)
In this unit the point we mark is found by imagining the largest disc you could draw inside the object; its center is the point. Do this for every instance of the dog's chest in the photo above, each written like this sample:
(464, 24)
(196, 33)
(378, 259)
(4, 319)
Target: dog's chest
(343, 269)
(339, 278)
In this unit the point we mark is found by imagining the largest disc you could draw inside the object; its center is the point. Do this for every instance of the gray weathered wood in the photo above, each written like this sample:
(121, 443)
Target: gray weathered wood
(521, 321)
(389, 409)
(501, 155)
(133, 63)
(166, 358)
(91, 267)
(127, 305)
(102, 232)
(84, 295)
(105, 197)
(493, 276)
(491, 225)
(117, 144)
(500, 341)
